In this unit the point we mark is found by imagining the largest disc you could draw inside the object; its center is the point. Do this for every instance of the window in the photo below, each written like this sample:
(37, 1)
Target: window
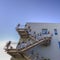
(44, 31)
(55, 31)
(59, 44)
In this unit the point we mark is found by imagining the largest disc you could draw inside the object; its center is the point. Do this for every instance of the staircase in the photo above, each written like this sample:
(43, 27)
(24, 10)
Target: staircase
(15, 51)
(22, 32)
(20, 52)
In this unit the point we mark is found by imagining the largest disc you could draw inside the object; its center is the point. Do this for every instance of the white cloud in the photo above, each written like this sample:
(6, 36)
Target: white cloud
(3, 54)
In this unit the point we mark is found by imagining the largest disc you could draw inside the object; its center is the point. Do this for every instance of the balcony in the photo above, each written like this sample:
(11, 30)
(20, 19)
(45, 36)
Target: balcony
(22, 31)
(17, 52)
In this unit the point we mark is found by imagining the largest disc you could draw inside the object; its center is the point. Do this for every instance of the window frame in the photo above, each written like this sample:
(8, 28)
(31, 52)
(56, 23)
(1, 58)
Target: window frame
(44, 31)
(55, 31)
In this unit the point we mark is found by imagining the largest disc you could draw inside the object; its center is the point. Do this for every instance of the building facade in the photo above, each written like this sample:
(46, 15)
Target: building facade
(52, 51)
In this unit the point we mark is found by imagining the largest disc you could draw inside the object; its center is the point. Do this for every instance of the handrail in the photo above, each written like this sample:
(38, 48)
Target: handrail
(32, 45)
(28, 47)
(20, 26)
(12, 45)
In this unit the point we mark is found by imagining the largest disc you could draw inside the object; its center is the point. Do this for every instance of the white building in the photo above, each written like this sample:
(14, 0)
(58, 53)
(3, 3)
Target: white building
(51, 51)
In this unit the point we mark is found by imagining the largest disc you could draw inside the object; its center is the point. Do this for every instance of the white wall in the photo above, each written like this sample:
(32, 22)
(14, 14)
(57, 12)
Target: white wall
(52, 51)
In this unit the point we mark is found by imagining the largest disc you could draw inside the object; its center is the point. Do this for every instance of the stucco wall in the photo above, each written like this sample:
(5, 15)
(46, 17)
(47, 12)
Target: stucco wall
(52, 51)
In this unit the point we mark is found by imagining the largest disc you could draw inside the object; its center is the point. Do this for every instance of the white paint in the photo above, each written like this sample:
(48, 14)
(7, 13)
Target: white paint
(52, 51)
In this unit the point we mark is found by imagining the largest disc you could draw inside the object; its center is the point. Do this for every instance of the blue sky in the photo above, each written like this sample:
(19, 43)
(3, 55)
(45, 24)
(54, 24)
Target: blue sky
(13, 12)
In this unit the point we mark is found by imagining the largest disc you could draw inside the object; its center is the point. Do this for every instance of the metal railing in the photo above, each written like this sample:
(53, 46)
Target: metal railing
(20, 26)
(11, 45)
